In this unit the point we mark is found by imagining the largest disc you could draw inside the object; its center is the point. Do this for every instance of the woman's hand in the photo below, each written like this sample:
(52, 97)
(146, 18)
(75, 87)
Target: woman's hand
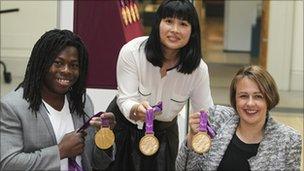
(138, 112)
(194, 120)
(96, 121)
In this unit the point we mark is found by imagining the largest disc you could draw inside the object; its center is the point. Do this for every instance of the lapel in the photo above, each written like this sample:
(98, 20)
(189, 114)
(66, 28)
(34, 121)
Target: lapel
(78, 121)
(221, 142)
(257, 162)
(44, 114)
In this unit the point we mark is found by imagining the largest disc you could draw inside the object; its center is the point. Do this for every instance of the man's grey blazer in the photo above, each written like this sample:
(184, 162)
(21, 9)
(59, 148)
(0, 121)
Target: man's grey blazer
(28, 141)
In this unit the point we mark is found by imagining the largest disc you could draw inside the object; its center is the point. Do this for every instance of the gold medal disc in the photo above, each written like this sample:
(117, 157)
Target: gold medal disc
(104, 138)
(201, 142)
(148, 144)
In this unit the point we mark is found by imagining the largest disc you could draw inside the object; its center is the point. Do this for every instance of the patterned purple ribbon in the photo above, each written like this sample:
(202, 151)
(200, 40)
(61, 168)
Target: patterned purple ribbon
(73, 165)
(204, 125)
(158, 107)
(150, 117)
(149, 121)
(87, 123)
(105, 122)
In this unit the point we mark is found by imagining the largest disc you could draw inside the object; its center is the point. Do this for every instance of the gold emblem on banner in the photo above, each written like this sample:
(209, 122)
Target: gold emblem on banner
(132, 13)
(124, 16)
(128, 13)
(201, 142)
(136, 11)
(104, 138)
(148, 144)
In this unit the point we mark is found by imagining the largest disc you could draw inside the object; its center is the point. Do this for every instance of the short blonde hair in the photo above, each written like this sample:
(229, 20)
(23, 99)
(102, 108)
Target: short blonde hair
(264, 81)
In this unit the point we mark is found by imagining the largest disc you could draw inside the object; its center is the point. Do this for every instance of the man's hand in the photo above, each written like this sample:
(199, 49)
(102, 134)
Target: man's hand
(72, 144)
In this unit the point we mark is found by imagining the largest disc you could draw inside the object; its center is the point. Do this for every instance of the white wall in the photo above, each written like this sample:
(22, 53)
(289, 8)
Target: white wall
(297, 49)
(285, 43)
(238, 20)
(66, 15)
(20, 30)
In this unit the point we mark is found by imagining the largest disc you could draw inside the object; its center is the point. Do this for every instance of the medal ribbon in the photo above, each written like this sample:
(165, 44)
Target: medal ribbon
(105, 122)
(87, 123)
(73, 165)
(204, 125)
(150, 117)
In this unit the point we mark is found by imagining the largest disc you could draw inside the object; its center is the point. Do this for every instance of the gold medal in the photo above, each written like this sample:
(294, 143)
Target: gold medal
(104, 138)
(148, 144)
(201, 142)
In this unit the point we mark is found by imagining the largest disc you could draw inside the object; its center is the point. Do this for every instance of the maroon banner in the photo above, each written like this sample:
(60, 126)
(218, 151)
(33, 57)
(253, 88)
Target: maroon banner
(100, 26)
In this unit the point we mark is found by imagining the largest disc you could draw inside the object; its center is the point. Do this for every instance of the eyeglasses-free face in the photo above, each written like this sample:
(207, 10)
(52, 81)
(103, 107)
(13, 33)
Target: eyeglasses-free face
(63, 73)
(251, 105)
(174, 33)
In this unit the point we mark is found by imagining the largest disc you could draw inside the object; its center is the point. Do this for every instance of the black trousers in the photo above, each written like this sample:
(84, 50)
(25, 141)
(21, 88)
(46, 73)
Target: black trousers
(127, 137)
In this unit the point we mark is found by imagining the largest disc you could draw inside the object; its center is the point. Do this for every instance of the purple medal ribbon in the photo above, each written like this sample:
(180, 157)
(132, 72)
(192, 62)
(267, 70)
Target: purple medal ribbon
(149, 121)
(158, 107)
(204, 125)
(150, 117)
(105, 122)
(87, 123)
(73, 165)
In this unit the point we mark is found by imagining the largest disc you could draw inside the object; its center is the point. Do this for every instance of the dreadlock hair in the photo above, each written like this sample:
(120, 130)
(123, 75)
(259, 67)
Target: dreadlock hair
(190, 54)
(42, 57)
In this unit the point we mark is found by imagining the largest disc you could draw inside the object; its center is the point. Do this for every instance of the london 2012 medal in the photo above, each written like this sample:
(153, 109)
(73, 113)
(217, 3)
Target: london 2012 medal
(105, 137)
(201, 142)
(149, 144)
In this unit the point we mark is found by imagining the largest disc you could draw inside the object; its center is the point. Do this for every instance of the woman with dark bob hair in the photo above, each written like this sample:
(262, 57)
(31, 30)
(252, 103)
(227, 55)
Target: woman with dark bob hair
(247, 138)
(166, 66)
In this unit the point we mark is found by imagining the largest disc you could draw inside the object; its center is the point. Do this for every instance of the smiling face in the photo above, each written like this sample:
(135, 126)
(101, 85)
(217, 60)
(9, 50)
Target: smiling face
(63, 73)
(250, 102)
(174, 33)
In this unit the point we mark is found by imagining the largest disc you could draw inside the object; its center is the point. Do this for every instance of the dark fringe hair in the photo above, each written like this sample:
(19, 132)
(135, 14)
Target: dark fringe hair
(190, 54)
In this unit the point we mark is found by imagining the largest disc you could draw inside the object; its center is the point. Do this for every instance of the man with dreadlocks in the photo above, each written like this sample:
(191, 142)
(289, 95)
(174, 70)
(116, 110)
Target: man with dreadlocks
(39, 119)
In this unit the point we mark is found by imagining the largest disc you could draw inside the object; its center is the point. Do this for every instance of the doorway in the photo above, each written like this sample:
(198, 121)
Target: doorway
(231, 31)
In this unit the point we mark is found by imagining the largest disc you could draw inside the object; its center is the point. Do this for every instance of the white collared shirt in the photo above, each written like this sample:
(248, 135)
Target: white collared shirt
(139, 80)
(62, 123)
